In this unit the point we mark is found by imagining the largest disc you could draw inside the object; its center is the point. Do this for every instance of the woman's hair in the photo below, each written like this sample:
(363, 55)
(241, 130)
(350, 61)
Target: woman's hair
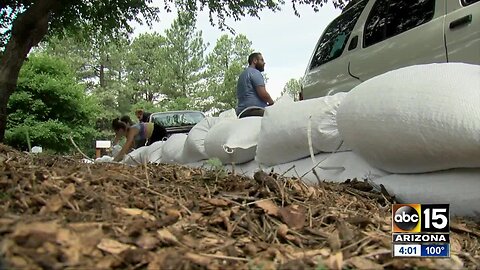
(117, 124)
(126, 119)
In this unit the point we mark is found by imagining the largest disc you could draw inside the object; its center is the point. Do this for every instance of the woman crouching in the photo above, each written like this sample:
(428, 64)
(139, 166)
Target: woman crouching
(137, 135)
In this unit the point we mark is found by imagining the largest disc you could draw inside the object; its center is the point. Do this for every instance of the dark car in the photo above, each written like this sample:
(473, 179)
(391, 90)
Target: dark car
(177, 121)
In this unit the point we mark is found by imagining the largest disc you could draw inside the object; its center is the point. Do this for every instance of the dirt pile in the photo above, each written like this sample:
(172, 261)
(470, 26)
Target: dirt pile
(60, 213)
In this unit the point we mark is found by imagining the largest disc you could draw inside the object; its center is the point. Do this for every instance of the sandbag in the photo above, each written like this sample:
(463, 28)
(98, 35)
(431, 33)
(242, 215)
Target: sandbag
(172, 151)
(286, 125)
(458, 187)
(104, 159)
(228, 114)
(116, 149)
(194, 148)
(416, 119)
(145, 154)
(233, 140)
(155, 152)
(138, 156)
(335, 167)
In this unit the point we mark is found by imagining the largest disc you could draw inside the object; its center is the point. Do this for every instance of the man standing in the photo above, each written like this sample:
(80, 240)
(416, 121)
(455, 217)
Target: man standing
(143, 117)
(251, 91)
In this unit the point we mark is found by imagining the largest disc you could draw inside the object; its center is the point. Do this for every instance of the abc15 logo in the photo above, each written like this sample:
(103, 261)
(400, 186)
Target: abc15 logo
(416, 218)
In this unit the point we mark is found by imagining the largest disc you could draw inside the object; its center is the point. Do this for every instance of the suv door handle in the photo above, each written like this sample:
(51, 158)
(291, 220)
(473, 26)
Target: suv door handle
(459, 22)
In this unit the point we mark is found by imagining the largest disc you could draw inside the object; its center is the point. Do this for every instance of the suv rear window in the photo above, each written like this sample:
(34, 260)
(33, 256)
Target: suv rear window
(336, 35)
(177, 119)
(389, 18)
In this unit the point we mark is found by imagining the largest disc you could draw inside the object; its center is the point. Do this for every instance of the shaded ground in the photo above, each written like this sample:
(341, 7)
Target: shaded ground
(59, 213)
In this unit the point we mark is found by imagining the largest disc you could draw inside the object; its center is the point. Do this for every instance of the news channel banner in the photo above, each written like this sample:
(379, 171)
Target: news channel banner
(421, 230)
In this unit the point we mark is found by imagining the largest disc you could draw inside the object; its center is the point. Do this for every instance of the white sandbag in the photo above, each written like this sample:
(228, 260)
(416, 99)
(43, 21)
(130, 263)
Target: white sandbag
(104, 159)
(145, 154)
(286, 127)
(458, 187)
(336, 167)
(194, 149)
(228, 114)
(285, 99)
(172, 151)
(233, 140)
(155, 152)
(138, 156)
(416, 119)
(116, 149)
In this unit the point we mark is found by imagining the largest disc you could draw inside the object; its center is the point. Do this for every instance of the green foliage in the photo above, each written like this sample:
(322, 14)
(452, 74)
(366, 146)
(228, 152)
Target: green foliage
(148, 72)
(51, 106)
(215, 165)
(292, 88)
(101, 67)
(320, 265)
(223, 9)
(185, 56)
(176, 104)
(224, 64)
(101, 18)
(157, 72)
(100, 64)
(113, 18)
(146, 106)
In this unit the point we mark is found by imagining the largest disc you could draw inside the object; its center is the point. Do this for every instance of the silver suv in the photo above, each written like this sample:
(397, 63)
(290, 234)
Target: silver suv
(372, 37)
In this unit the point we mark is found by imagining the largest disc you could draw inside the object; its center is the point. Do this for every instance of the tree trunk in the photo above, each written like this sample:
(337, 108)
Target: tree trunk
(102, 76)
(28, 30)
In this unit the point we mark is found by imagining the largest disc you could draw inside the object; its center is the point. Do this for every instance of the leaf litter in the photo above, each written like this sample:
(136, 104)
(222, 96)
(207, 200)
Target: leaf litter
(57, 213)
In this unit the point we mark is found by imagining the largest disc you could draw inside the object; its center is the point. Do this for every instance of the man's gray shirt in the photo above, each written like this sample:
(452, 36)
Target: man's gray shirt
(247, 95)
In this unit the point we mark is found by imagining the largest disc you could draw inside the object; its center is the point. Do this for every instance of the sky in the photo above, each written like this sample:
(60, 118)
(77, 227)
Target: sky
(285, 40)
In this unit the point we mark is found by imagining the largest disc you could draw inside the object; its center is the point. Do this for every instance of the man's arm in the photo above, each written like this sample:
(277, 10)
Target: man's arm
(264, 95)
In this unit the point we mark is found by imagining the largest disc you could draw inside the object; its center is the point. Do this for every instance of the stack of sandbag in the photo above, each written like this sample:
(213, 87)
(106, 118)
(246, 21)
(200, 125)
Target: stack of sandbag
(233, 140)
(294, 130)
(190, 148)
(417, 122)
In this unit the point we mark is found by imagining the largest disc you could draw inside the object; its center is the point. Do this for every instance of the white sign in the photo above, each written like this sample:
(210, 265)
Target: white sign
(103, 144)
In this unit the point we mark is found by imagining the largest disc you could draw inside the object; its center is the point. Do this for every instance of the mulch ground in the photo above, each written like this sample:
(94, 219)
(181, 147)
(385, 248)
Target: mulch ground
(59, 213)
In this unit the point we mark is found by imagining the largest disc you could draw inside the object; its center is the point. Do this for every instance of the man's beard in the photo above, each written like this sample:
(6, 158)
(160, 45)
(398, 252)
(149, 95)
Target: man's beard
(259, 68)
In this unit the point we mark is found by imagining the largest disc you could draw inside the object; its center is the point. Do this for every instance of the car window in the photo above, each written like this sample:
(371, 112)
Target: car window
(177, 119)
(469, 2)
(389, 18)
(336, 35)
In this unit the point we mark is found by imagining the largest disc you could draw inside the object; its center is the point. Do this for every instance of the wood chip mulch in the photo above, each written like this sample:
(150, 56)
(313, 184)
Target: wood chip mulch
(59, 213)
